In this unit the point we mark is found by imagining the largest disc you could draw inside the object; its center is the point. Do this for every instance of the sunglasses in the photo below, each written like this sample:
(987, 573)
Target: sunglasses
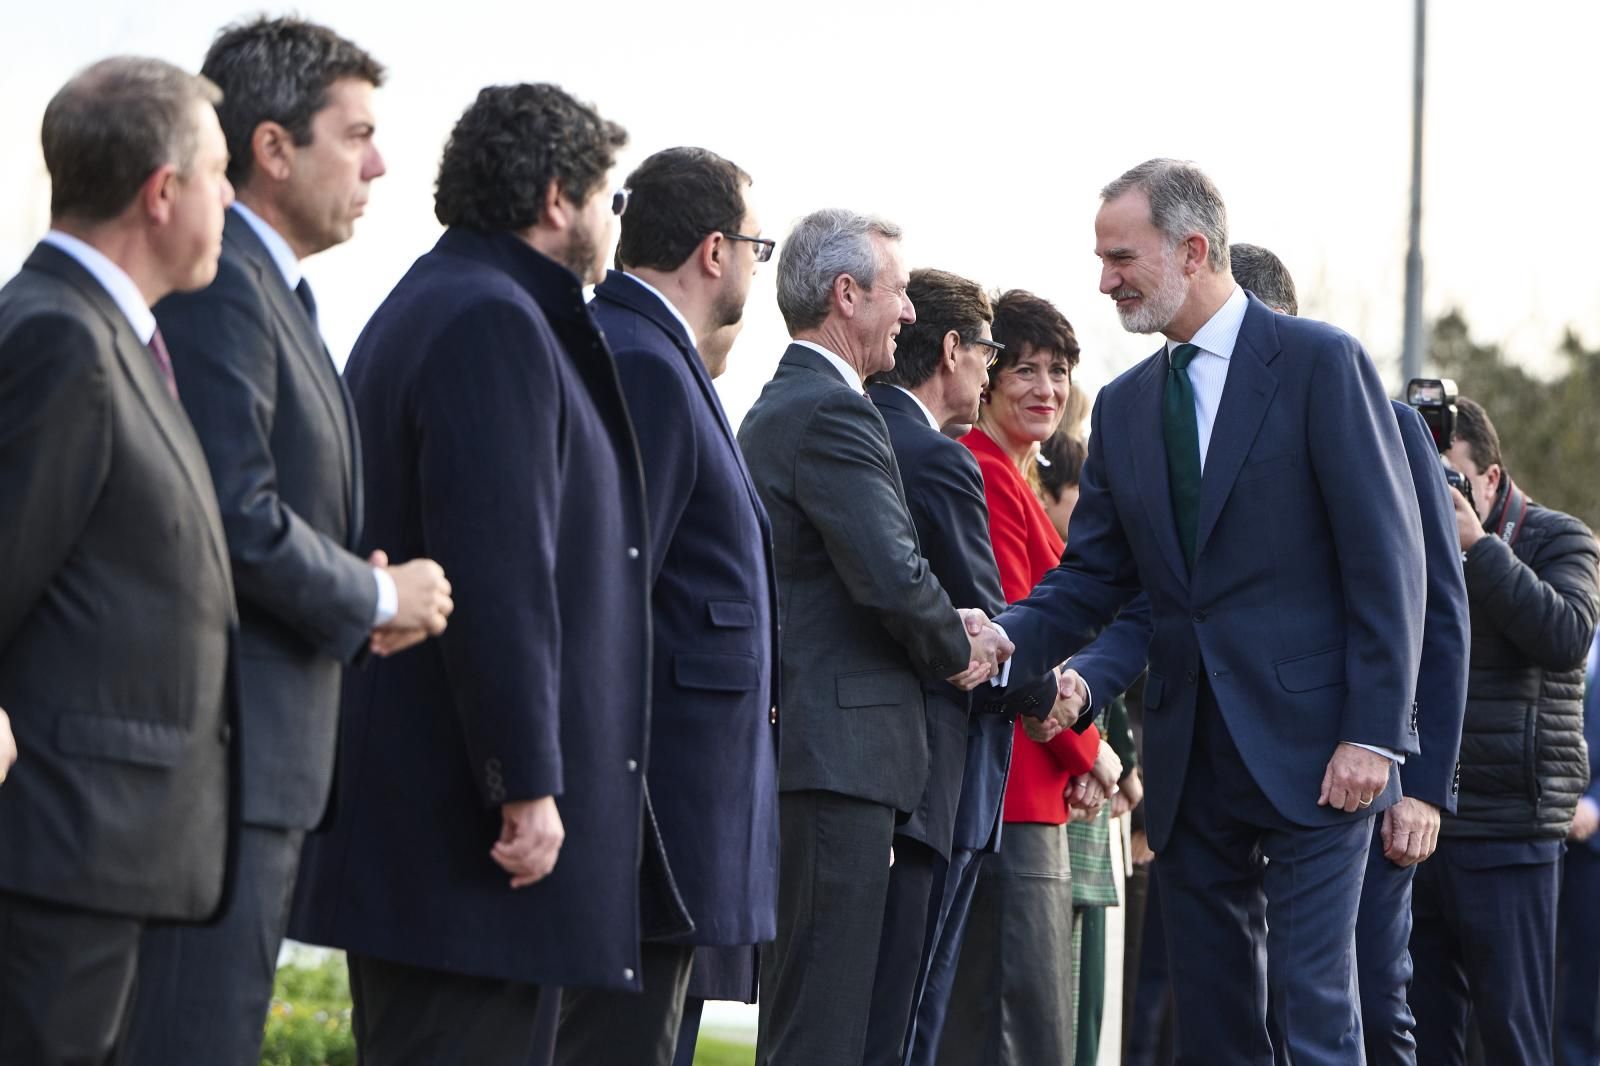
(619, 201)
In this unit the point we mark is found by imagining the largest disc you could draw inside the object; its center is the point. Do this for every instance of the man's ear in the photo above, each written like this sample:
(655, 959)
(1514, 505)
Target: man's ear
(1196, 248)
(272, 151)
(847, 295)
(158, 196)
(713, 255)
(947, 354)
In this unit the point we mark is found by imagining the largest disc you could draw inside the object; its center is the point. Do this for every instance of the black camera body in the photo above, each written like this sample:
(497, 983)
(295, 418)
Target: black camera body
(1435, 400)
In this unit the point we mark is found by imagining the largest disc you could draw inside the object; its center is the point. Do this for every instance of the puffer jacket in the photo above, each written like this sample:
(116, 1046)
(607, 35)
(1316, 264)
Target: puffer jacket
(1533, 595)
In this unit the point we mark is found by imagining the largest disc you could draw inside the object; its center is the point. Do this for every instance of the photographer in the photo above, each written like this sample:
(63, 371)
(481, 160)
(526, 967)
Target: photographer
(1485, 908)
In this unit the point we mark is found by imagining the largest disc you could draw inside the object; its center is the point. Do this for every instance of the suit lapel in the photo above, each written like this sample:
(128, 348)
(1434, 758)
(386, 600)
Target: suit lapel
(1149, 452)
(310, 353)
(1245, 399)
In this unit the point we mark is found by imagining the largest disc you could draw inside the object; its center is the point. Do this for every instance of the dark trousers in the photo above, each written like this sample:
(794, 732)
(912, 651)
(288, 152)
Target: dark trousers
(689, 1031)
(949, 905)
(65, 980)
(1011, 1002)
(898, 982)
(1149, 1014)
(1383, 958)
(1578, 960)
(1212, 882)
(606, 1027)
(204, 990)
(411, 1016)
(833, 883)
(1483, 945)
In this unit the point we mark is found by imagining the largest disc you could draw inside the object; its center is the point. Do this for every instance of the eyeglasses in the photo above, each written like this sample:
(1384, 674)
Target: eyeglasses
(764, 245)
(995, 348)
(619, 201)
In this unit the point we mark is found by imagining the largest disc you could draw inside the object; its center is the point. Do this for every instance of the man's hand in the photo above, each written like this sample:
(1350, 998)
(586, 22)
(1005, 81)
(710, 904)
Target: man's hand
(530, 840)
(1139, 848)
(8, 746)
(1129, 792)
(1072, 696)
(988, 650)
(1585, 821)
(1469, 527)
(1354, 778)
(1410, 831)
(1085, 793)
(424, 594)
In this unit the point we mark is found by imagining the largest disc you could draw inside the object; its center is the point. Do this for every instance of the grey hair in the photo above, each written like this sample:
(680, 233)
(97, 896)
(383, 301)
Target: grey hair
(112, 126)
(1257, 269)
(1183, 201)
(822, 246)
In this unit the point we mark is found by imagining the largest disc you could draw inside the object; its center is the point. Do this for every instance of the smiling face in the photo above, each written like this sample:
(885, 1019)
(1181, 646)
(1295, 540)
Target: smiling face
(1139, 268)
(331, 178)
(1028, 398)
(883, 308)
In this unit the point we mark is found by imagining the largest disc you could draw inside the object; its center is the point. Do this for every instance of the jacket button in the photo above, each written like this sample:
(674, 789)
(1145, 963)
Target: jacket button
(633, 553)
(225, 733)
(627, 973)
(772, 716)
(1189, 677)
(633, 766)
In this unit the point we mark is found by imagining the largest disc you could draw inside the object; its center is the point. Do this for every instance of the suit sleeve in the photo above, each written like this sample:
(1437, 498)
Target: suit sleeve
(486, 394)
(845, 485)
(1546, 611)
(226, 361)
(1376, 534)
(55, 454)
(659, 404)
(1096, 578)
(1446, 629)
(1114, 660)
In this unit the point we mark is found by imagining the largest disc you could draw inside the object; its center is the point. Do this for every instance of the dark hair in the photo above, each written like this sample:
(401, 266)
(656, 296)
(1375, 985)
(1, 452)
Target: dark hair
(112, 126)
(1062, 467)
(509, 145)
(1264, 274)
(679, 196)
(944, 302)
(1474, 427)
(278, 70)
(1022, 319)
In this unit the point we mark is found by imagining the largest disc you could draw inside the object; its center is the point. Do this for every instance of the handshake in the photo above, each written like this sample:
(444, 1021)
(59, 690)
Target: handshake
(989, 648)
(423, 603)
(1072, 699)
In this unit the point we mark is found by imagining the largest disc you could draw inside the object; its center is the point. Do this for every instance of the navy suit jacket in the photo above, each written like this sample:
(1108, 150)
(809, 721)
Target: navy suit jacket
(1591, 736)
(496, 440)
(969, 755)
(1306, 601)
(713, 776)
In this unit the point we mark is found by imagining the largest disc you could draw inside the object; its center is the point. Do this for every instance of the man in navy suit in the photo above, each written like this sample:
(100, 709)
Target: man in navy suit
(490, 804)
(1578, 961)
(1409, 831)
(1264, 506)
(689, 248)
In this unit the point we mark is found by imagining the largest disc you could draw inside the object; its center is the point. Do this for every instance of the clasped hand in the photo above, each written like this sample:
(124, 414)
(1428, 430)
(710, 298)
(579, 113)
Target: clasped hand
(424, 604)
(531, 834)
(989, 648)
(1072, 699)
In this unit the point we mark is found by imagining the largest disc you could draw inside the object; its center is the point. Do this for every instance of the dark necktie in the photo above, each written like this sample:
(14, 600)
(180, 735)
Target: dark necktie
(303, 290)
(1182, 435)
(158, 348)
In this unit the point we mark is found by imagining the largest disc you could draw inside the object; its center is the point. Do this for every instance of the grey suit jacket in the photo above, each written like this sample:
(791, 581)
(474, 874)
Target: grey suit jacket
(274, 419)
(116, 614)
(863, 619)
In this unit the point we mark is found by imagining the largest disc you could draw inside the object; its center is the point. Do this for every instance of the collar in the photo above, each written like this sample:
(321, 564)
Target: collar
(933, 422)
(688, 331)
(124, 293)
(845, 370)
(1221, 331)
(277, 247)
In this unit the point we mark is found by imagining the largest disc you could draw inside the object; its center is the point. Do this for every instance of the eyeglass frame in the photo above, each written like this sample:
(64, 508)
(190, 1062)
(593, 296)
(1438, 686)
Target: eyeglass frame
(765, 246)
(995, 348)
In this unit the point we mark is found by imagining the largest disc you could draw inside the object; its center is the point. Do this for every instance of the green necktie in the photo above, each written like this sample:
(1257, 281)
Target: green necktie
(1182, 435)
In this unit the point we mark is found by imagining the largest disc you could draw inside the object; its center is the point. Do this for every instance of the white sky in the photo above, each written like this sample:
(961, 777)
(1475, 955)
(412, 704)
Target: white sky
(986, 131)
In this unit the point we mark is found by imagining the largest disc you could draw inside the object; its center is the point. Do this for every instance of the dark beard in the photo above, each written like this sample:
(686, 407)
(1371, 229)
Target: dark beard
(727, 311)
(581, 255)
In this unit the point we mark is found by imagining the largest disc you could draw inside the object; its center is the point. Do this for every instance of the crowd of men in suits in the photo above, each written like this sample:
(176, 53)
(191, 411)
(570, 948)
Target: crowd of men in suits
(717, 712)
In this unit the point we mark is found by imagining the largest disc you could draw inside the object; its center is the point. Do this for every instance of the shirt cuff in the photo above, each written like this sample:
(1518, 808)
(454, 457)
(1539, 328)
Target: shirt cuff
(388, 598)
(1392, 756)
(1003, 678)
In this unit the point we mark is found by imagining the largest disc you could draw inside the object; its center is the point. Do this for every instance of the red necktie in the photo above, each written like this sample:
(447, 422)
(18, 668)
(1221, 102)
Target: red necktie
(158, 348)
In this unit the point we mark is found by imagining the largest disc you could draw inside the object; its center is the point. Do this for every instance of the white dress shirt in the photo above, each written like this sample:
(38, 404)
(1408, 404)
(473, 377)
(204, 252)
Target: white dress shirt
(1208, 374)
(112, 278)
(846, 371)
(289, 266)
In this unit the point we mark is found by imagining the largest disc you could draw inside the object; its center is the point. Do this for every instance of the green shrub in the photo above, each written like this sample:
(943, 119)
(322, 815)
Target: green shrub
(309, 1023)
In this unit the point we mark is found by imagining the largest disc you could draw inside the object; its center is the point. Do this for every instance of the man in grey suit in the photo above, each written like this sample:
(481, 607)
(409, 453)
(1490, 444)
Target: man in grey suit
(275, 421)
(864, 622)
(116, 612)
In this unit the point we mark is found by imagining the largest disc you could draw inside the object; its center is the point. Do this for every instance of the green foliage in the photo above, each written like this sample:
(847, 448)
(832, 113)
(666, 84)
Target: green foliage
(309, 1024)
(709, 1051)
(1549, 429)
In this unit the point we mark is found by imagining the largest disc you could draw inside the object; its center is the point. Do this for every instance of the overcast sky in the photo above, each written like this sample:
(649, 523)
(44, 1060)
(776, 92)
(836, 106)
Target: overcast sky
(986, 130)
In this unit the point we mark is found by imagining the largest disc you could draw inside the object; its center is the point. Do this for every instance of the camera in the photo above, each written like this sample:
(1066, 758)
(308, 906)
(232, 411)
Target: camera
(1435, 400)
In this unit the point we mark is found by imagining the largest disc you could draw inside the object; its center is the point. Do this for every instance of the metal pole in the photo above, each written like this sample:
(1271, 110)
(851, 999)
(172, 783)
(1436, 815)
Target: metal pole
(1411, 351)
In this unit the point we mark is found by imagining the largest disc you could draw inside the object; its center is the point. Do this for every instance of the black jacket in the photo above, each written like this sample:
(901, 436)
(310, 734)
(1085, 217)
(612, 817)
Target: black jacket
(1532, 593)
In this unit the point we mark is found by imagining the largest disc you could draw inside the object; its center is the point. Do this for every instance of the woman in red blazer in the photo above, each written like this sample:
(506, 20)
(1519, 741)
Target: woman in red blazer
(1012, 995)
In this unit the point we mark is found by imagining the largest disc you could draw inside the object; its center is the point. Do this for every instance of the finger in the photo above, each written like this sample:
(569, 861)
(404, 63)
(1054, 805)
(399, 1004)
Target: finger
(1326, 795)
(379, 558)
